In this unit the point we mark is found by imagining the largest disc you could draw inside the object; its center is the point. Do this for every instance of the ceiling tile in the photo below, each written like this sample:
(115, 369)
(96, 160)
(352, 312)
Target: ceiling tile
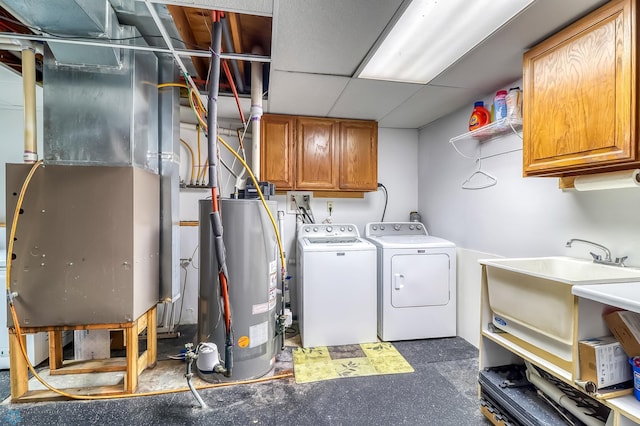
(371, 99)
(427, 105)
(329, 36)
(304, 94)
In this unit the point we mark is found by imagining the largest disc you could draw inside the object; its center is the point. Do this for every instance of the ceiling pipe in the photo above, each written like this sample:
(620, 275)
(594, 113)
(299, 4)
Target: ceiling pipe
(256, 112)
(228, 46)
(29, 90)
(172, 51)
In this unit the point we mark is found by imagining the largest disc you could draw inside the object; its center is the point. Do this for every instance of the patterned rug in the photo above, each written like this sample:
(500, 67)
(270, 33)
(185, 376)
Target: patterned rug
(334, 362)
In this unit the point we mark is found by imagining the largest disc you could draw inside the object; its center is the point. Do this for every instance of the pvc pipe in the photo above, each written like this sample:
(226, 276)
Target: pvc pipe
(559, 397)
(256, 112)
(29, 89)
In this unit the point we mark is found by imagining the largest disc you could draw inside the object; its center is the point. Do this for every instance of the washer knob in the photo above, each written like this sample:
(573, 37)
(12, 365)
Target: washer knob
(315, 229)
(375, 227)
(418, 227)
(382, 227)
(350, 228)
(329, 229)
(307, 229)
(342, 228)
(411, 227)
(396, 227)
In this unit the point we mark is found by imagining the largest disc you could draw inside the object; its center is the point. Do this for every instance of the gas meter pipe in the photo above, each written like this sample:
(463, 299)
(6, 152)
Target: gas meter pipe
(216, 221)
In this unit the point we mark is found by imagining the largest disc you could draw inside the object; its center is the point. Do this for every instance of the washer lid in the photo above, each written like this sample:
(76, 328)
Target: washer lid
(411, 241)
(335, 244)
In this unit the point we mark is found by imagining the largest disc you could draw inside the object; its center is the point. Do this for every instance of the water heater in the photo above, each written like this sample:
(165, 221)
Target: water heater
(252, 264)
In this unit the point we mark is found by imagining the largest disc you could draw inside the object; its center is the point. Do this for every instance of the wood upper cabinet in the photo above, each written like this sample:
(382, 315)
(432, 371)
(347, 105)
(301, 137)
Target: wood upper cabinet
(319, 154)
(316, 154)
(359, 155)
(276, 154)
(580, 96)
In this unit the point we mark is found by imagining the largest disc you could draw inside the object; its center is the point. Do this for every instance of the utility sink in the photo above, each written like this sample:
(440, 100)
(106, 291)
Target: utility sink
(531, 297)
(567, 270)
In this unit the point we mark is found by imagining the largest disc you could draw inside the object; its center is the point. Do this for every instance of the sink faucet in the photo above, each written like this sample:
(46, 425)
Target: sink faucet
(619, 261)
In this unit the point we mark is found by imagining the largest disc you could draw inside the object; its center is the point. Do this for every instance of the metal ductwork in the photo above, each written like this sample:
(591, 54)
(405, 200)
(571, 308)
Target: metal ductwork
(77, 18)
(102, 116)
(102, 106)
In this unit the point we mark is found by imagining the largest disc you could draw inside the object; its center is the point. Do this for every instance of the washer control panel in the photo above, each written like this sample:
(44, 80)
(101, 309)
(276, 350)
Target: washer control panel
(328, 230)
(379, 229)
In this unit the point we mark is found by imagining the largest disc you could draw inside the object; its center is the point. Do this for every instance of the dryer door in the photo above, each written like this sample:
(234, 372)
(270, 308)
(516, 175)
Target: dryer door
(419, 280)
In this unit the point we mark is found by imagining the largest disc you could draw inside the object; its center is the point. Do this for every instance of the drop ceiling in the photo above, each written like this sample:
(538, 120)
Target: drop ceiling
(315, 47)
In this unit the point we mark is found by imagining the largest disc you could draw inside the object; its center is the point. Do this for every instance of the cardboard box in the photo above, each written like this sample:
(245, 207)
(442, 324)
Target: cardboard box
(603, 362)
(625, 325)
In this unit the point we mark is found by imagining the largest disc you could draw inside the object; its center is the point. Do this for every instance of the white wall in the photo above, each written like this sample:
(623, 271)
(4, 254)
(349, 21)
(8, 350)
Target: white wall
(518, 216)
(397, 170)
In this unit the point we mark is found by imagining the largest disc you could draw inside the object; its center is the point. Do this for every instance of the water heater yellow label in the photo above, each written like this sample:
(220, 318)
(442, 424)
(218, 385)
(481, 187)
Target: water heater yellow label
(243, 341)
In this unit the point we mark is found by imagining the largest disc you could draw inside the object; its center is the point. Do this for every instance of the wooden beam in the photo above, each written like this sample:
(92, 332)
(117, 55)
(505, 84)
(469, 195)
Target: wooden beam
(19, 376)
(56, 356)
(184, 28)
(152, 338)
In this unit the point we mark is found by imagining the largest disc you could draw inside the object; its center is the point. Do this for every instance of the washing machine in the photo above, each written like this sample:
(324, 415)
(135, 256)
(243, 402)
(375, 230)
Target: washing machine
(336, 285)
(416, 282)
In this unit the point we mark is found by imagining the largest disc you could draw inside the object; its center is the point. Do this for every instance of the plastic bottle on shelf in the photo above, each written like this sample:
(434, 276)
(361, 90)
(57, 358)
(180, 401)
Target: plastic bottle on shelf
(514, 105)
(500, 105)
(480, 116)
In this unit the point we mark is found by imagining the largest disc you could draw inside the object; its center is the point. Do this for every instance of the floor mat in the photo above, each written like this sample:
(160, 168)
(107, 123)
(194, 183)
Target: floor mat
(334, 362)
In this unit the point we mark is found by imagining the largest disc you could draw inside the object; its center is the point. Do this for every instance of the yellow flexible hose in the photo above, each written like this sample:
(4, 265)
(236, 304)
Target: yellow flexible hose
(193, 166)
(200, 173)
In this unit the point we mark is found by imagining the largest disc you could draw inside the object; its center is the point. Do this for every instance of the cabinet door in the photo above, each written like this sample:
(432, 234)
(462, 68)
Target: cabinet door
(317, 154)
(358, 155)
(276, 150)
(579, 96)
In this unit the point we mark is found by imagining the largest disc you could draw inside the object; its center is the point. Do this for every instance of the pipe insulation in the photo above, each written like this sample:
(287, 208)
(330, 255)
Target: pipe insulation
(29, 90)
(216, 222)
(256, 112)
(212, 104)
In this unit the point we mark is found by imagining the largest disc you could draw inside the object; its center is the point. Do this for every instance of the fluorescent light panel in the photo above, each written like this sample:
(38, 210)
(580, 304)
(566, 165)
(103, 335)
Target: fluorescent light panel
(433, 34)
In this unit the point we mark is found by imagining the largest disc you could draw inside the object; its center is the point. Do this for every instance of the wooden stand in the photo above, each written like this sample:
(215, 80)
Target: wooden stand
(133, 364)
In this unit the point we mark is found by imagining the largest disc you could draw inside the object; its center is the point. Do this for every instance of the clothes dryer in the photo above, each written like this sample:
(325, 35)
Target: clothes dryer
(416, 282)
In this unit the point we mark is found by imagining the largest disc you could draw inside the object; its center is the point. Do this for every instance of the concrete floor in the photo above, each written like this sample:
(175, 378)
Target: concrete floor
(442, 391)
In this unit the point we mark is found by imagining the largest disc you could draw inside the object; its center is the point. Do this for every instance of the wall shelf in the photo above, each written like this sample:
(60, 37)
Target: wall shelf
(490, 131)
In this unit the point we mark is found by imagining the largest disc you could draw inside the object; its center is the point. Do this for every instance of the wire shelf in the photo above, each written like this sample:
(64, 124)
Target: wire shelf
(490, 131)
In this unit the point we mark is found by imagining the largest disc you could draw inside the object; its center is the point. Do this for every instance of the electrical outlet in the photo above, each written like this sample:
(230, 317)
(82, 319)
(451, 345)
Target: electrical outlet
(330, 206)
